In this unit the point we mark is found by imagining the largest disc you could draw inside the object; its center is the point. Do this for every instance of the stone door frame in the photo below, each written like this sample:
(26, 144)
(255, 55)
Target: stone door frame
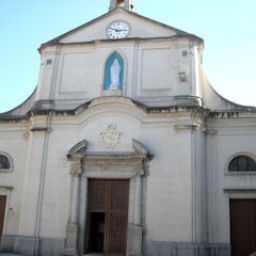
(85, 165)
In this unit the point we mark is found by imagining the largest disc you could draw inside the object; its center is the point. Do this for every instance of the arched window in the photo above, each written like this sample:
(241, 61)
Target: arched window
(4, 162)
(114, 72)
(242, 164)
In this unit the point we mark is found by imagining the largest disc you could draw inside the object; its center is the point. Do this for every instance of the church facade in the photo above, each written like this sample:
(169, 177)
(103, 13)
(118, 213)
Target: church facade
(124, 148)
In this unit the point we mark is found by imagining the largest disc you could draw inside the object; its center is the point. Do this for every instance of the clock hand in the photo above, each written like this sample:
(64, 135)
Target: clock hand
(118, 30)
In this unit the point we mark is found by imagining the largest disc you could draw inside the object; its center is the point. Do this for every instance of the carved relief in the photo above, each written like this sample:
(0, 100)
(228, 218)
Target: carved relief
(111, 137)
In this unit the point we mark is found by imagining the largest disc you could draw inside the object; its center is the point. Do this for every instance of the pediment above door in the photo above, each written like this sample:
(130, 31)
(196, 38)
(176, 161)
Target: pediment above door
(81, 151)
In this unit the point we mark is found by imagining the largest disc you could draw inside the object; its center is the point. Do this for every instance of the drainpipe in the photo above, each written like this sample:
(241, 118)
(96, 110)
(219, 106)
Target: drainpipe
(40, 196)
(143, 181)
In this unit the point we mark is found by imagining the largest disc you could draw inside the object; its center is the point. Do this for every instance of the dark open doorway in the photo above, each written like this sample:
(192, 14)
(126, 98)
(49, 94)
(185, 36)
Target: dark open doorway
(96, 235)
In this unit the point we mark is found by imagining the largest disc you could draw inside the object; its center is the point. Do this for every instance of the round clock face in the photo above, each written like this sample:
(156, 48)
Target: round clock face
(117, 30)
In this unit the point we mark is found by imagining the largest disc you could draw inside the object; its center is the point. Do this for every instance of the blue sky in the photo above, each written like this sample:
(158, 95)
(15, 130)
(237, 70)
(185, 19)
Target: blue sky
(227, 26)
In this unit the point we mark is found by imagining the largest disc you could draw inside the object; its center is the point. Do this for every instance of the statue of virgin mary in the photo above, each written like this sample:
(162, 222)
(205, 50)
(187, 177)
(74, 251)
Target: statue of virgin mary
(115, 70)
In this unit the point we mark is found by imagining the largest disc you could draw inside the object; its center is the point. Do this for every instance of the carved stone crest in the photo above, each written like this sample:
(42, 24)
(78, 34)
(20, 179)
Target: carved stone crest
(111, 137)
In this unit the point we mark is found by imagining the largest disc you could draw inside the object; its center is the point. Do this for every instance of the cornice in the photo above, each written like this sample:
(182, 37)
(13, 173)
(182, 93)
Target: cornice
(187, 104)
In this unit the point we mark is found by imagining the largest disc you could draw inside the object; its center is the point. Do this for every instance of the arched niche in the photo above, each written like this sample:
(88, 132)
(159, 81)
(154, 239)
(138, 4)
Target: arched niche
(114, 72)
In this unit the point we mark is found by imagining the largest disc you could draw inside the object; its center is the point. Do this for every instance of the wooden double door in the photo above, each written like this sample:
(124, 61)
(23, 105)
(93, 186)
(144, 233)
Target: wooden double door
(243, 227)
(107, 216)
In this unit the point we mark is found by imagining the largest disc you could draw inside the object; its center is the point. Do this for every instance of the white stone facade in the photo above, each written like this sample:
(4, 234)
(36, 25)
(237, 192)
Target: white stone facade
(167, 132)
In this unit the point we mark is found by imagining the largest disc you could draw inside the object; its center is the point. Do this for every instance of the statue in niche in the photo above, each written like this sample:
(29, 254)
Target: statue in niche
(115, 75)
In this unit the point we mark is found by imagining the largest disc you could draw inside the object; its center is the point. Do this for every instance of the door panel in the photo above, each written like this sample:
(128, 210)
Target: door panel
(97, 196)
(243, 227)
(117, 233)
(118, 215)
(2, 212)
(119, 195)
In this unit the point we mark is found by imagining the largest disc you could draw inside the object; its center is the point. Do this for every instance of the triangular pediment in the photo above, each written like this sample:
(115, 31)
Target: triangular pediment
(139, 27)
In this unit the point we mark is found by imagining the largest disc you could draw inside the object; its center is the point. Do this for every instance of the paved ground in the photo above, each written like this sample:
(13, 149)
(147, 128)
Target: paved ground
(9, 254)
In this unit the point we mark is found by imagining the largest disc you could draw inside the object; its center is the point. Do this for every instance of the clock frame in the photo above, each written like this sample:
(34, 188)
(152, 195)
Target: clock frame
(118, 30)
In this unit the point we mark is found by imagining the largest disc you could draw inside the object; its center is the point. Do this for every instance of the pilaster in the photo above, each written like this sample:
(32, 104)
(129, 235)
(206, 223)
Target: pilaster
(72, 225)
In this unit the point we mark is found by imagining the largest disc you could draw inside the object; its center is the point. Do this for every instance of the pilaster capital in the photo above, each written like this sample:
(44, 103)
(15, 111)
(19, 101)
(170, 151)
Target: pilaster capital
(75, 169)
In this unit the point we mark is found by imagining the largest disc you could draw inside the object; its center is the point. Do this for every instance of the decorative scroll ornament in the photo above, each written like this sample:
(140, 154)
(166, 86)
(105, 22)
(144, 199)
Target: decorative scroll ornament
(111, 137)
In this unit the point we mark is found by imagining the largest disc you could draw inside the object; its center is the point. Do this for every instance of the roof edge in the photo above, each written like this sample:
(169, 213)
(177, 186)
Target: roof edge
(127, 40)
(56, 40)
(228, 105)
(28, 101)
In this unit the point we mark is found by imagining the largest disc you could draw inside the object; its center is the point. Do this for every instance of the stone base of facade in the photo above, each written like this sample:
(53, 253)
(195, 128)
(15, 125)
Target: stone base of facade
(29, 246)
(153, 248)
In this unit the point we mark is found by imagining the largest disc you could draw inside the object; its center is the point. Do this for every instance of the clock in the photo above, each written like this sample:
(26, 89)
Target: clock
(118, 30)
